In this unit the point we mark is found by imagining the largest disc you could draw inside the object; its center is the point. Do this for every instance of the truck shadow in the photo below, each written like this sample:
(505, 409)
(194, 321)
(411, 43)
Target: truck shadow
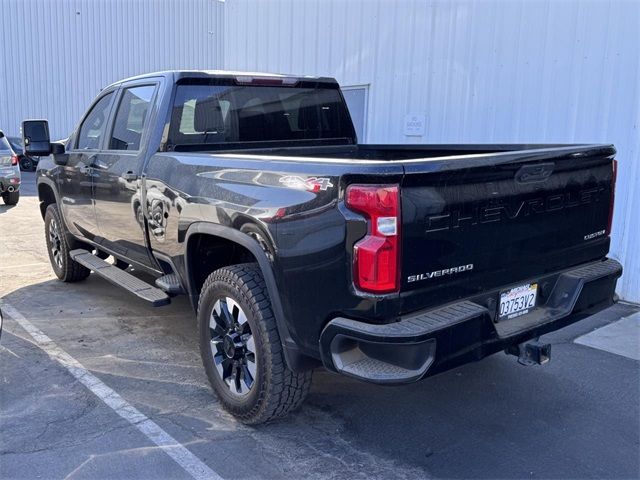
(492, 419)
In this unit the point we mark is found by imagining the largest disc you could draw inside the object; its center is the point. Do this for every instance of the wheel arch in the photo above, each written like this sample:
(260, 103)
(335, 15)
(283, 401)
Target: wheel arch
(243, 245)
(46, 195)
(222, 236)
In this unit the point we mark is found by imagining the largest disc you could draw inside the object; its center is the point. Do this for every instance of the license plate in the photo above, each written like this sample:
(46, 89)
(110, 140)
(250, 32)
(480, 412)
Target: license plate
(517, 301)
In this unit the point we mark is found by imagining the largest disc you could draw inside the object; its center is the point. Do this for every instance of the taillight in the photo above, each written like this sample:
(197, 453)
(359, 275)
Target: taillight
(14, 160)
(376, 258)
(614, 176)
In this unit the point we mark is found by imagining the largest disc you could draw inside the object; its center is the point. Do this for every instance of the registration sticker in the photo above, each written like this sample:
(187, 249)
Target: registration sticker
(518, 301)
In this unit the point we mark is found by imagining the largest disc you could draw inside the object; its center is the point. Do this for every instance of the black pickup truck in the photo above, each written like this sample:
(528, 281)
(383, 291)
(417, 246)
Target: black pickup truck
(297, 246)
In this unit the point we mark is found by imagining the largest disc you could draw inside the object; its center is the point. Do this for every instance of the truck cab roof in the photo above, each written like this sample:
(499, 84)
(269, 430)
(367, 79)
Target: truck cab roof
(176, 75)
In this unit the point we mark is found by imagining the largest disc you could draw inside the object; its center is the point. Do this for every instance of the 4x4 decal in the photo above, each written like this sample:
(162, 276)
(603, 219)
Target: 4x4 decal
(312, 184)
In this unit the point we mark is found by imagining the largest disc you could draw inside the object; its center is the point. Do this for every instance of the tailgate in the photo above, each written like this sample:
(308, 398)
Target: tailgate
(469, 225)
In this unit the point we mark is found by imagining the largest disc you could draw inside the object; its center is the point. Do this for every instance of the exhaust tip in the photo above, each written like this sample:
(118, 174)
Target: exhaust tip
(10, 189)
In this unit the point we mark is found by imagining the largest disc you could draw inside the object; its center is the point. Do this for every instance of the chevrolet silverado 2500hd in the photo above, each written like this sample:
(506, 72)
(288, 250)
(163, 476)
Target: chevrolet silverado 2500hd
(297, 246)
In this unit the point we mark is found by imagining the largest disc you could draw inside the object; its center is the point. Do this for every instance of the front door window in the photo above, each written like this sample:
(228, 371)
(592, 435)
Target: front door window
(93, 126)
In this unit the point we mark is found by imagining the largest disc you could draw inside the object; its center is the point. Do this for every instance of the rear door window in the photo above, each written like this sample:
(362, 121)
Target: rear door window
(131, 118)
(93, 127)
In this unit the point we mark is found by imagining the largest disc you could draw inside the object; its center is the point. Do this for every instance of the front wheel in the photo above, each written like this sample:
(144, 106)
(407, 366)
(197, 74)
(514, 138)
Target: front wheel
(241, 349)
(65, 268)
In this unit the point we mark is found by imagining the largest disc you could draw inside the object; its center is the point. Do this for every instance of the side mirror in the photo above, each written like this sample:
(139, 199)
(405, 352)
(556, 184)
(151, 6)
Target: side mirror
(35, 137)
(57, 150)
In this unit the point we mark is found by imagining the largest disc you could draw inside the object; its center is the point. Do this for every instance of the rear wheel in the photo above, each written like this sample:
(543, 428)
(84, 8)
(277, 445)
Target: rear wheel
(11, 198)
(241, 349)
(65, 268)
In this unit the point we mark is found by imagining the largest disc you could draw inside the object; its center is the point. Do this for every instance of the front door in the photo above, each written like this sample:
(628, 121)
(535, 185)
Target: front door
(117, 175)
(75, 178)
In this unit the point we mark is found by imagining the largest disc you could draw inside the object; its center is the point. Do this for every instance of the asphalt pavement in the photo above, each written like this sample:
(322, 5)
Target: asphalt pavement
(576, 417)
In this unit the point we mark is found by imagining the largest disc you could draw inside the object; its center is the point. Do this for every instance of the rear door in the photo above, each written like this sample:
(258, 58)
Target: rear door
(75, 180)
(118, 170)
(470, 229)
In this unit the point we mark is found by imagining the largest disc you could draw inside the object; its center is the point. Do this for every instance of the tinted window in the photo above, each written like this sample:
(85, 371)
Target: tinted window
(5, 152)
(215, 115)
(131, 118)
(94, 124)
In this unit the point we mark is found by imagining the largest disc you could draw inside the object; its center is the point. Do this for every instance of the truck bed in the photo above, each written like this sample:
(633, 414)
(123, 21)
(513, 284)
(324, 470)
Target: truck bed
(479, 153)
(511, 212)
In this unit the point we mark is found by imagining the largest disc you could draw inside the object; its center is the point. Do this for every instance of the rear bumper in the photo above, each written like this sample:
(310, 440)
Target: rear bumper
(435, 340)
(9, 183)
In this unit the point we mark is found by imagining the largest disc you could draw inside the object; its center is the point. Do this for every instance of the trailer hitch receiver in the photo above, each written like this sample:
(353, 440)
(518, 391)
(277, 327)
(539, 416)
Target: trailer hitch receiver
(531, 353)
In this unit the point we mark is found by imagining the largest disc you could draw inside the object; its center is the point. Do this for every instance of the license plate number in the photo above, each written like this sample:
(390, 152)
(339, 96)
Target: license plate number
(518, 301)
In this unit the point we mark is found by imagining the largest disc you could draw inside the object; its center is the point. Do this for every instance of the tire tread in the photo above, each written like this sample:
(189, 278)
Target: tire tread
(285, 390)
(72, 271)
(11, 198)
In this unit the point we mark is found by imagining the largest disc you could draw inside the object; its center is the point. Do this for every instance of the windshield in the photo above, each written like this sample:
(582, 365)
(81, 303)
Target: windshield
(219, 116)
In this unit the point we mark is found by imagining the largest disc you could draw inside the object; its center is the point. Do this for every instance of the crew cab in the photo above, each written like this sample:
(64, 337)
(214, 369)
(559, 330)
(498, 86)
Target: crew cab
(298, 247)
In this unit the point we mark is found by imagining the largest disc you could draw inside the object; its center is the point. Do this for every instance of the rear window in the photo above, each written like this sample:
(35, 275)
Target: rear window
(218, 116)
(4, 145)
(5, 152)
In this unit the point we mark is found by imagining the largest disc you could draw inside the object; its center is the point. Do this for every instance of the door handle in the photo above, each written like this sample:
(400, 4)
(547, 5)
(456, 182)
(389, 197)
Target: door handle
(98, 164)
(88, 167)
(129, 176)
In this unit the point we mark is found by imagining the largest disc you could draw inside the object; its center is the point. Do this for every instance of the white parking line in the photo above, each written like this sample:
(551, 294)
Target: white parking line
(183, 457)
(621, 337)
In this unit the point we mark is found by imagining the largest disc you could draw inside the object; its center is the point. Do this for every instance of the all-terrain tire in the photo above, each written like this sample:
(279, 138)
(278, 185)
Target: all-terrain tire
(65, 268)
(276, 390)
(11, 198)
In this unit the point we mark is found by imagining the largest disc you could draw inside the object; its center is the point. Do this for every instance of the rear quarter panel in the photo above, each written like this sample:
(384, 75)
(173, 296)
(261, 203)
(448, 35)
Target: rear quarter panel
(307, 230)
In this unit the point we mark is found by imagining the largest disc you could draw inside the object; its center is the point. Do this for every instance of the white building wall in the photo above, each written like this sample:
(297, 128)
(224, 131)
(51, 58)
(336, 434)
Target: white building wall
(58, 54)
(532, 71)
